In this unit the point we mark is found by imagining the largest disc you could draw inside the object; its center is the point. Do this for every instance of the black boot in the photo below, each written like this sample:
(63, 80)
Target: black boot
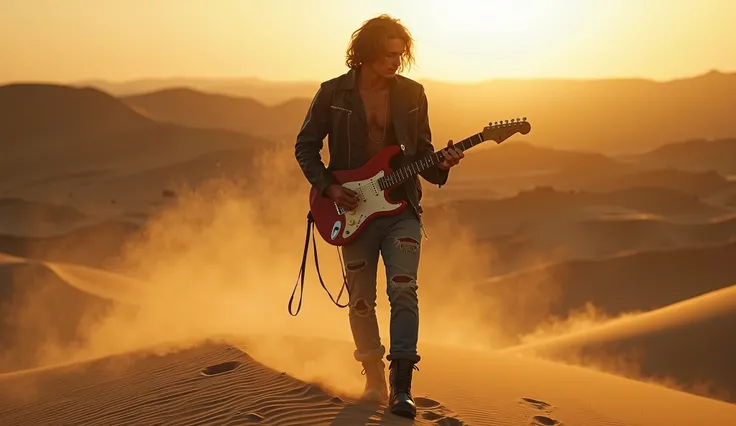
(400, 401)
(375, 382)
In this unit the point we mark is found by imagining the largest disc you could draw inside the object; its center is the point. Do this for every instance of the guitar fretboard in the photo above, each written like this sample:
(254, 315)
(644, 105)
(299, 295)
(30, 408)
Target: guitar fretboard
(402, 174)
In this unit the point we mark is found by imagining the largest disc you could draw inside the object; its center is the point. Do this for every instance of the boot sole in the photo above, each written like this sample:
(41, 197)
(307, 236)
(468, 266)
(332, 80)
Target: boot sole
(404, 411)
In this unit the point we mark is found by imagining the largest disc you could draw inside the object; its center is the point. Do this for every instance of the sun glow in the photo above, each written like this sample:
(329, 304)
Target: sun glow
(474, 38)
(473, 20)
(457, 40)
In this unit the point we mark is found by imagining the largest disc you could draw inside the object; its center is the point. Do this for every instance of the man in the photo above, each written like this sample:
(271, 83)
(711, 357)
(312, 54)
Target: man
(363, 111)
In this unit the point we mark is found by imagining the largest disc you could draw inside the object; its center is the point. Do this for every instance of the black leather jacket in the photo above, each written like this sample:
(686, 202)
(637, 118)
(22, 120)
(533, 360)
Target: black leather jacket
(337, 112)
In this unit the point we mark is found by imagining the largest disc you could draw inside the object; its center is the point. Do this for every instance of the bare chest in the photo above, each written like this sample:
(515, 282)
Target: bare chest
(377, 111)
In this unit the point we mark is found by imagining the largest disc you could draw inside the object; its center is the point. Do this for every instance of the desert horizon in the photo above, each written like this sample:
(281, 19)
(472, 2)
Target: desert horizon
(152, 228)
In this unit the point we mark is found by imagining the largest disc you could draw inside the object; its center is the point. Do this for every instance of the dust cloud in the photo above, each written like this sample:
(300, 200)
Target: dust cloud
(221, 263)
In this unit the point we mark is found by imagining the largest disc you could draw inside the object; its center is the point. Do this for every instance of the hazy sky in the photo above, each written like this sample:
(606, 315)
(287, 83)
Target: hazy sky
(65, 40)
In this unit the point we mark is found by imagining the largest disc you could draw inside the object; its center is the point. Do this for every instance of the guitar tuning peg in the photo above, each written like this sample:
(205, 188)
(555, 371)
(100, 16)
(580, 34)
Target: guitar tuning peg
(524, 118)
(507, 121)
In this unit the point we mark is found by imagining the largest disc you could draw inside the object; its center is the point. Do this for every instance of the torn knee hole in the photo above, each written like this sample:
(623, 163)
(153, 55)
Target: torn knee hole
(361, 307)
(355, 265)
(403, 281)
(407, 244)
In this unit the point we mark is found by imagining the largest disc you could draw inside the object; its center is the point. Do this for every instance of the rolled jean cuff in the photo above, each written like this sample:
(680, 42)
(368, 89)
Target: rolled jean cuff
(404, 355)
(371, 355)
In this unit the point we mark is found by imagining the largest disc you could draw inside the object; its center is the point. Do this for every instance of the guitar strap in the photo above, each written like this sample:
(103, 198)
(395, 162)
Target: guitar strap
(302, 270)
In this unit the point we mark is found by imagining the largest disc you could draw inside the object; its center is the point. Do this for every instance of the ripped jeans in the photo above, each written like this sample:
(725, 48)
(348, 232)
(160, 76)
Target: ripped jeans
(398, 240)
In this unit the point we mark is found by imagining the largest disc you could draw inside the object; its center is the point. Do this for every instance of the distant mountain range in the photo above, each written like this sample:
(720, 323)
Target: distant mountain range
(60, 131)
(693, 155)
(610, 115)
(267, 92)
(211, 110)
(64, 131)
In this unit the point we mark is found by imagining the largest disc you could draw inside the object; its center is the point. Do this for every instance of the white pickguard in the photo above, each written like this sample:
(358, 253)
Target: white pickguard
(372, 200)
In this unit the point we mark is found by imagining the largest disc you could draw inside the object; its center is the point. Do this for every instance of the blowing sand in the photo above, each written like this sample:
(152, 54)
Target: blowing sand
(130, 371)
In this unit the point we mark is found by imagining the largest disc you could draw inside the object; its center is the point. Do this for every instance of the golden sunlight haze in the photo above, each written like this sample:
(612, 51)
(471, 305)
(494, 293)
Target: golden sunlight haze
(459, 40)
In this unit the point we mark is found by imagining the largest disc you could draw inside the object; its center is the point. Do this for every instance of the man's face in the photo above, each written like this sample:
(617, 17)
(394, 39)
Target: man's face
(387, 64)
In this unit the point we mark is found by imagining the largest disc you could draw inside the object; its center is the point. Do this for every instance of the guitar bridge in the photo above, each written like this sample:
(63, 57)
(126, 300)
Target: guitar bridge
(339, 209)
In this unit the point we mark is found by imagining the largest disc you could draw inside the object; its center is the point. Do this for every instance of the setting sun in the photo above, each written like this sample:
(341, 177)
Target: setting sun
(470, 39)
(491, 26)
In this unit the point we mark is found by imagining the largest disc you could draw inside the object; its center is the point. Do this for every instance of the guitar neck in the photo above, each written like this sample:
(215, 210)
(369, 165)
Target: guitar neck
(400, 175)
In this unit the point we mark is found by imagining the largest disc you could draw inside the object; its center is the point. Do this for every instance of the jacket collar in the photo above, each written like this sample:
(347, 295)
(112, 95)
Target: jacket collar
(349, 81)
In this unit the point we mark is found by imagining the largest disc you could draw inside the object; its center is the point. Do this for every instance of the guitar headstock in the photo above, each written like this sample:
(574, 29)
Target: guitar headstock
(499, 131)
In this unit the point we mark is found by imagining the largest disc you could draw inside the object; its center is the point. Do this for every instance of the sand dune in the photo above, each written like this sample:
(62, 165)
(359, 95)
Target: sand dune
(188, 107)
(726, 197)
(686, 342)
(595, 238)
(38, 311)
(42, 114)
(179, 383)
(644, 234)
(548, 206)
(148, 186)
(82, 134)
(696, 183)
(220, 384)
(93, 245)
(692, 155)
(625, 283)
(503, 171)
(133, 190)
(519, 158)
(28, 218)
(46, 306)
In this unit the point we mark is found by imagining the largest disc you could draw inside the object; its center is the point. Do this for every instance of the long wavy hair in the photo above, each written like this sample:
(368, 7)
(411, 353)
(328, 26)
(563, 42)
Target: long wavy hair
(368, 42)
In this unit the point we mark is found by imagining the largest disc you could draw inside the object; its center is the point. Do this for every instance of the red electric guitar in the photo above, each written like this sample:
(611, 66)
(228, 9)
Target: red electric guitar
(373, 180)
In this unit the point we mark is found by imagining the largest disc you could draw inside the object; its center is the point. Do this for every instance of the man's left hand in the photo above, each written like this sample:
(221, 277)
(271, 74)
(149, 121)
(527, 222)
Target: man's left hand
(452, 156)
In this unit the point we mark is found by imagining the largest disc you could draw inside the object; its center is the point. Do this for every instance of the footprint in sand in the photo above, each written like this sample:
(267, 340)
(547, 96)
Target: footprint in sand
(435, 412)
(432, 415)
(539, 405)
(426, 403)
(225, 367)
(544, 421)
(450, 421)
(441, 419)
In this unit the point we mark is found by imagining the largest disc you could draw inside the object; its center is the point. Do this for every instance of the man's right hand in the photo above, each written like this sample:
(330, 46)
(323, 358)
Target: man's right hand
(344, 197)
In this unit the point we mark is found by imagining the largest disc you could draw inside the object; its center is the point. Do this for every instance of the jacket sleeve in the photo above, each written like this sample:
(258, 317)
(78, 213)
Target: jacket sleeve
(315, 127)
(424, 144)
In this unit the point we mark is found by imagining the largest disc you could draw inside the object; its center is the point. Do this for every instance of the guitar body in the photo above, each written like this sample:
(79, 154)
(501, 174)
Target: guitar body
(338, 227)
